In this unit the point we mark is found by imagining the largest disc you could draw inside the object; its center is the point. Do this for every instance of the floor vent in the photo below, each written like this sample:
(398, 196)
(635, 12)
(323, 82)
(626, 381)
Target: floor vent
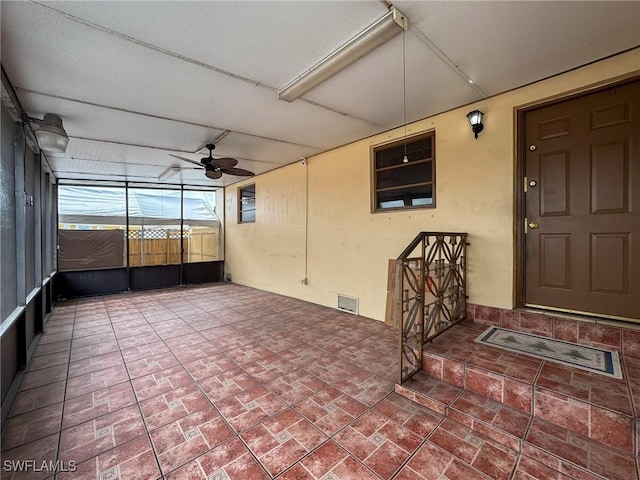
(348, 304)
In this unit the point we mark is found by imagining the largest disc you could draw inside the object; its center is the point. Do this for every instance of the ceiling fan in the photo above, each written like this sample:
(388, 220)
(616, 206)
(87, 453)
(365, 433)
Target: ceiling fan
(215, 167)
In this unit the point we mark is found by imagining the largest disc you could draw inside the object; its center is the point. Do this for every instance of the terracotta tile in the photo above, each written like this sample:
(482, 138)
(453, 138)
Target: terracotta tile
(562, 410)
(493, 460)
(518, 394)
(191, 353)
(296, 385)
(231, 461)
(54, 337)
(92, 438)
(249, 408)
(378, 442)
(365, 387)
(140, 352)
(267, 369)
(494, 414)
(98, 380)
(331, 368)
(329, 461)
(160, 382)
(209, 366)
(79, 332)
(484, 383)
(138, 341)
(95, 404)
(529, 469)
(93, 340)
(488, 315)
(226, 384)
(92, 364)
(46, 376)
(631, 343)
(29, 400)
(330, 409)
(227, 342)
(126, 330)
(172, 328)
(181, 441)
(510, 319)
(536, 323)
(31, 426)
(50, 360)
(432, 365)
(600, 335)
(79, 353)
(249, 353)
(282, 440)
(611, 428)
(564, 329)
(410, 415)
(431, 392)
(433, 463)
(43, 450)
(133, 460)
(453, 372)
(56, 347)
(149, 365)
(173, 405)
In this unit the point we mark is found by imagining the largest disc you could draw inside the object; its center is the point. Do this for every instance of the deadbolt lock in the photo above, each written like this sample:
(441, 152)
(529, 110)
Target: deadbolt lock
(533, 183)
(532, 148)
(533, 225)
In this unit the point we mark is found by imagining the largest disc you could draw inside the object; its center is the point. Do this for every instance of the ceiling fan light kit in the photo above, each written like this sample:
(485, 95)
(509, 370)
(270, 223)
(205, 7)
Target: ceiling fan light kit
(215, 167)
(381, 31)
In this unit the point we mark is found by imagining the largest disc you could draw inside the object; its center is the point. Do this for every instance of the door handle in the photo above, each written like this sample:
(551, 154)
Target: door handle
(532, 225)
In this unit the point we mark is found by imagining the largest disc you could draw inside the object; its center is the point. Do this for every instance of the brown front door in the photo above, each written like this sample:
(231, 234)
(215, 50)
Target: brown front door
(582, 204)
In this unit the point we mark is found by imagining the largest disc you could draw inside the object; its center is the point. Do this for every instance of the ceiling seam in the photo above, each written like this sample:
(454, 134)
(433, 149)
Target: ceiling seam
(443, 56)
(166, 150)
(158, 117)
(193, 61)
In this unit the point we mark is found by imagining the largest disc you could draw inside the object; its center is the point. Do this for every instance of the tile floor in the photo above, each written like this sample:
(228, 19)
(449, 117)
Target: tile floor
(227, 382)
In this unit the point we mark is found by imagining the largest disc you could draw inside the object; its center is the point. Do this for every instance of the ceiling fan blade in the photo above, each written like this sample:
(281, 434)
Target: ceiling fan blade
(239, 172)
(213, 174)
(186, 159)
(224, 162)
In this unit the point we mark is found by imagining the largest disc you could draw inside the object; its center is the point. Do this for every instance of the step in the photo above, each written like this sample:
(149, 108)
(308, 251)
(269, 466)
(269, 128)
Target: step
(541, 444)
(590, 404)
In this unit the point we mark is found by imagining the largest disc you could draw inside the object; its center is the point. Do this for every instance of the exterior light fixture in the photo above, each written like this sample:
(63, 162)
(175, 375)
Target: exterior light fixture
(50, 133)
(381, 31)
(475, 119)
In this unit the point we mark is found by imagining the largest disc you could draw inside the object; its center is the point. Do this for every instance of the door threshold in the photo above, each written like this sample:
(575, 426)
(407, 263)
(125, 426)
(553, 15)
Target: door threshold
(586, 317)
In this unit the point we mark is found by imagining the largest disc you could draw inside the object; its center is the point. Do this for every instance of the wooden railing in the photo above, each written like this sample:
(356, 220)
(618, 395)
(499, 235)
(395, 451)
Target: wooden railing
(430, 293)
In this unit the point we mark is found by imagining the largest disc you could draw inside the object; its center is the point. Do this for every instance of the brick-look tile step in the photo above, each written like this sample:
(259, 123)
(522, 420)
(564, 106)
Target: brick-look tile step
(551, 447)
(596, 406)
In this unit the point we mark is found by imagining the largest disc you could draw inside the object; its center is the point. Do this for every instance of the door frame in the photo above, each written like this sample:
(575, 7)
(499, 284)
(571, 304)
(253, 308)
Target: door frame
(519, 287)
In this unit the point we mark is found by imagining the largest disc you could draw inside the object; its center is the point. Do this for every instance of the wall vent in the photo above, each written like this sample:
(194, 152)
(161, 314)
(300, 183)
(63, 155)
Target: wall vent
(347, 304)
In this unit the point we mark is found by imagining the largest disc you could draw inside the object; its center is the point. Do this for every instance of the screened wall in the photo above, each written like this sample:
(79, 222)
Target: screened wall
(27, 249)
(145, 236)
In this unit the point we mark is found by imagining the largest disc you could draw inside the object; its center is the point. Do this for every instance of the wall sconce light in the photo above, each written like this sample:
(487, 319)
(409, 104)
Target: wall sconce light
(50, 133)
(475, 119)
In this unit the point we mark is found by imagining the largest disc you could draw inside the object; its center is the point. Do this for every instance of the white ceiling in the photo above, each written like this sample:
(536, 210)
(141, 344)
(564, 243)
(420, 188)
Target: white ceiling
(135, 81)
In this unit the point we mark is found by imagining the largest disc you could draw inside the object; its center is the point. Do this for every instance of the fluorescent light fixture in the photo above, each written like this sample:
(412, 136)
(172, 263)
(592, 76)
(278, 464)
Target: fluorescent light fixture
(50, 133)
(366, 41)
(168, 173)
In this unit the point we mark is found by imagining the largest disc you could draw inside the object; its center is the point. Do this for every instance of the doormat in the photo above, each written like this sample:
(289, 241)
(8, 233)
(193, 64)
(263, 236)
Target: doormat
(604, 362)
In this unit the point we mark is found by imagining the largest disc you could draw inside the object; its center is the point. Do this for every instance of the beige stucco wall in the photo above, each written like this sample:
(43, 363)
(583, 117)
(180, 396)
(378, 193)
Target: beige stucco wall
(348, 246)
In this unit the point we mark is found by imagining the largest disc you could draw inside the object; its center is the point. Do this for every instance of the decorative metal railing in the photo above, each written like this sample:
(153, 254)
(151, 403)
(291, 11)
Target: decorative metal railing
(430, 293)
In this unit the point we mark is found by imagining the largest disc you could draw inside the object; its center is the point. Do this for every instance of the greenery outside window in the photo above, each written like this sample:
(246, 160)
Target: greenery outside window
(247, 204)
(401, 185)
